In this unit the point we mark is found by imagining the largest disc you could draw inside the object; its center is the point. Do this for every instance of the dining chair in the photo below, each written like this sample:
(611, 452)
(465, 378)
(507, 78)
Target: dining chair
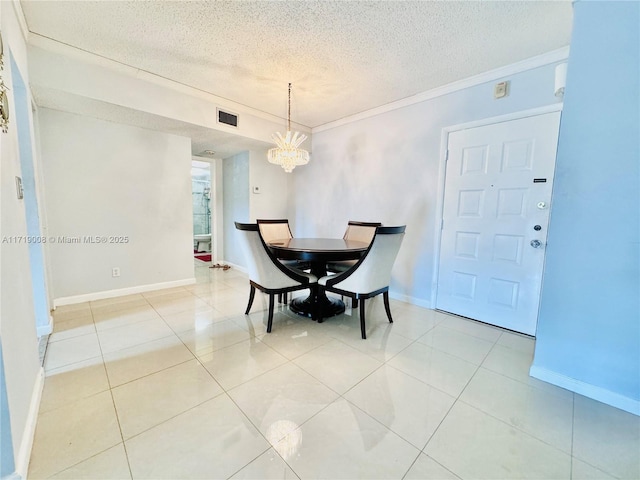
(359, 231)
(266, 273)
(277, 229)
(371, 275)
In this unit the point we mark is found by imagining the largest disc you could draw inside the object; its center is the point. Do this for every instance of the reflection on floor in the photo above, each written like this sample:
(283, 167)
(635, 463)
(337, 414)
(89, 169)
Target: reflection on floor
(180, 384)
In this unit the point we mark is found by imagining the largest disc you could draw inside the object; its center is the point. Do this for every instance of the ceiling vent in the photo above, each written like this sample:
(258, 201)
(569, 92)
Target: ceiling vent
(227, 118)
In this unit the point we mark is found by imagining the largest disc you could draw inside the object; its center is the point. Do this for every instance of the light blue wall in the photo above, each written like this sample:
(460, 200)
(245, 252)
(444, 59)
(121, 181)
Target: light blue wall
(36, 253)
(235, 188)
(589, 325)
(7, 465)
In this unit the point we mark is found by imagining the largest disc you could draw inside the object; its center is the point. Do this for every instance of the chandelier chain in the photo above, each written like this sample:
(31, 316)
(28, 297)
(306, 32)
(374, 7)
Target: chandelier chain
(289, 111)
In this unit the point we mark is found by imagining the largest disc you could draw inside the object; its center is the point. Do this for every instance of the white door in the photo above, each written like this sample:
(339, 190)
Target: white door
(496, 212)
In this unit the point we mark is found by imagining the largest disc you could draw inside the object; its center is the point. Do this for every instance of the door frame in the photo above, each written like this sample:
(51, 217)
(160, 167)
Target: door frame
(442, 168)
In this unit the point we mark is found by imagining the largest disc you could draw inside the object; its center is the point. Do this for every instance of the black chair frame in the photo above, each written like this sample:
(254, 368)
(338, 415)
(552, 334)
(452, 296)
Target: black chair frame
(354, 301)
(363, 296)
(253, 227)
(300, 265)
(361, 224)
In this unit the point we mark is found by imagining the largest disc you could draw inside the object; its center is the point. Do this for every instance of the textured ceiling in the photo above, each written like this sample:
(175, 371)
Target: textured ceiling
(343, 57)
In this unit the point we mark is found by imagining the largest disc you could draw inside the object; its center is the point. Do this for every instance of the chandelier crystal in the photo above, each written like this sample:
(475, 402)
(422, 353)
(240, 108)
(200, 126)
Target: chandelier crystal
(287, 154)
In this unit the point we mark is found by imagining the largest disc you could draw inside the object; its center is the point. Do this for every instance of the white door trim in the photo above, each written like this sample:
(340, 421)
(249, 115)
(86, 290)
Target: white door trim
(444, 143)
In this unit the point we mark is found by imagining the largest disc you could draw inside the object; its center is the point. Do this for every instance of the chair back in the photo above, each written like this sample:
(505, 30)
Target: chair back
(274, 229)
(361, 231)
(262, 266)
(373, 271)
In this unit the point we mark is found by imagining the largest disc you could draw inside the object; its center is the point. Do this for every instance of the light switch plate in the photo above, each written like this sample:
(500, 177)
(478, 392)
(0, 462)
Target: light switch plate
(255, 190)
(19, 190)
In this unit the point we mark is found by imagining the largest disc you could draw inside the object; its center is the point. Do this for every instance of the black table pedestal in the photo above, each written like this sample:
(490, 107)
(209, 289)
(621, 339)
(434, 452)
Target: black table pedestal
(328, 307)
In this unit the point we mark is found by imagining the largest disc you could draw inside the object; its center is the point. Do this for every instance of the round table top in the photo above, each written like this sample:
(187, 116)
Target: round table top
(321, 249)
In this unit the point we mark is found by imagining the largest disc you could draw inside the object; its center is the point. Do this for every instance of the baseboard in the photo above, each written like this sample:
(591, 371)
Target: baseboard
(237, 267)
(43, 330)
(24, 454)
(412, 300)
(88, 297)
(596, 393)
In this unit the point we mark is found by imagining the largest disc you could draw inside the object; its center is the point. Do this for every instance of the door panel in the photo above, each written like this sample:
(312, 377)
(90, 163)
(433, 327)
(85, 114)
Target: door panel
(497, 189)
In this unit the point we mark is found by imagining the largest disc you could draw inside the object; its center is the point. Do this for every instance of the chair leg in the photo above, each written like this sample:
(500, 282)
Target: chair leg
(363, 329)
(279, 298)
(270, 319)
(354, 303)
(385, 295)
(252, 295)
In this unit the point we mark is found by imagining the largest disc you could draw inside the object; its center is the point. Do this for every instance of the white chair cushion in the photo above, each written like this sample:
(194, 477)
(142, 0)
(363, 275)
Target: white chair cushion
(374, 272)
(260, 266)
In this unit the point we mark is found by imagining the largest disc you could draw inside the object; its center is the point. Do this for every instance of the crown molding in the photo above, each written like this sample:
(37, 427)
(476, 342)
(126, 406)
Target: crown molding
(22, 21)
(553, 56)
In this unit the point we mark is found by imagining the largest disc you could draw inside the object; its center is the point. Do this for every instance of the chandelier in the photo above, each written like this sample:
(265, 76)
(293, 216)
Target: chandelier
(287, 154)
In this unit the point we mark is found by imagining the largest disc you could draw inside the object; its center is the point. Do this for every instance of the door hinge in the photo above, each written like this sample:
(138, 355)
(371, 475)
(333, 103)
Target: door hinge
(446, 156)
(442, 224)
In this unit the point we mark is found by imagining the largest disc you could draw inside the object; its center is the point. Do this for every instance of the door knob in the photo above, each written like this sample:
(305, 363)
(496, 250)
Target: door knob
(535, 243)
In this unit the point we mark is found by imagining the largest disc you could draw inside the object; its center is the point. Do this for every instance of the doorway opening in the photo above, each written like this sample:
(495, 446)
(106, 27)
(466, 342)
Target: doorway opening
(202, 195)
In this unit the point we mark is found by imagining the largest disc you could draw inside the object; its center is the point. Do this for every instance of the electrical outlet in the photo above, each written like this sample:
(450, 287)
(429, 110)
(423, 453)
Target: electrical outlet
(115, 272)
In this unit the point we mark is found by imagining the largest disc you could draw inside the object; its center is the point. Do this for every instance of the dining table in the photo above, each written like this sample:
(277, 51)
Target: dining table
(317, 252)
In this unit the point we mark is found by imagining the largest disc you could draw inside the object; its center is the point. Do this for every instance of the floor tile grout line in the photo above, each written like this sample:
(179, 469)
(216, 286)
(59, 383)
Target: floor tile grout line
(113, 403)
(520, 429)
(128, 439)
(146, 375)
(264, 437)
(458, 399)
(444, 417)
(573, 424)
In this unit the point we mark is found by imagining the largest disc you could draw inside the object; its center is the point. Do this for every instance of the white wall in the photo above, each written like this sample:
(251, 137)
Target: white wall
(242, 173)
(235, 174)
(22, 370)
(387, 167)
(273, 201)
(111, 180)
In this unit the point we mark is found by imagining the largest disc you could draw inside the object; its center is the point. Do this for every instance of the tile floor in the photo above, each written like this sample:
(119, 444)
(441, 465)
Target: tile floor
(180, 384)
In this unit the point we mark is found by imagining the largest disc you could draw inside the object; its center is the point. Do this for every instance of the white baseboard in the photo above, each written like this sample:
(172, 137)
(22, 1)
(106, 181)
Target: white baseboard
(596, 393)
(412, 300)
(57, 302)
(45, 329)
(236, 267)
(24, 454)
